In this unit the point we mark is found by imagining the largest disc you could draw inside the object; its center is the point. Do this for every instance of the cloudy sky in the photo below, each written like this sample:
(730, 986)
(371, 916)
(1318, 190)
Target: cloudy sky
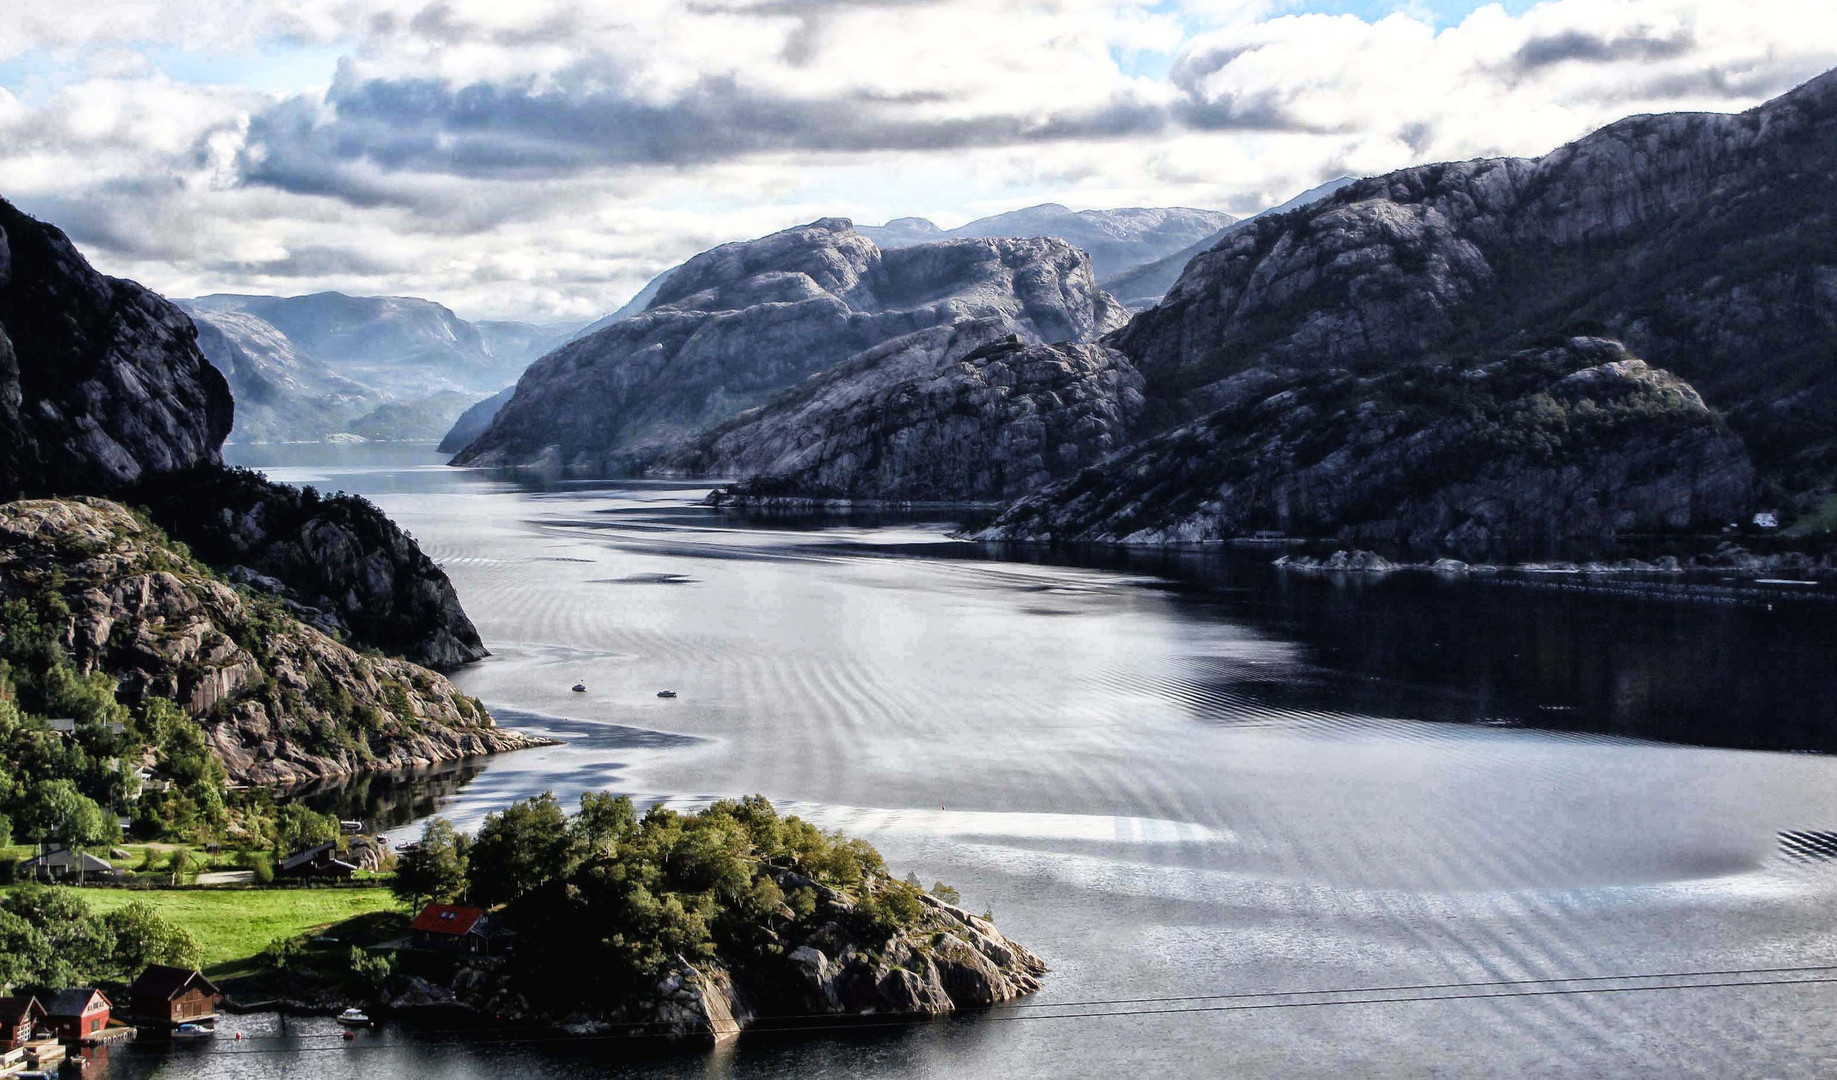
(542, 159)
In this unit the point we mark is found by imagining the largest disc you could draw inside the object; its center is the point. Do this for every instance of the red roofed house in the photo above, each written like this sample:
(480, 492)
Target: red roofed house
(173, 995)
(452, 928)
(75, 1015)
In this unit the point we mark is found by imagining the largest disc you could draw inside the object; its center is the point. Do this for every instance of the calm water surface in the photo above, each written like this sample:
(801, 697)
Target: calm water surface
(1171, 776)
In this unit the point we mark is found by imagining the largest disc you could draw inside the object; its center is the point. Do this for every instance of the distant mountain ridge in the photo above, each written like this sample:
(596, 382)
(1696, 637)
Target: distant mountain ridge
(304, 367)
(1116, 240)
(1143, 286)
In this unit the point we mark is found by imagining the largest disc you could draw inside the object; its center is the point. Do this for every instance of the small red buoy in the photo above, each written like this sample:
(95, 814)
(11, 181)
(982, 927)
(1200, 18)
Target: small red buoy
(349, 1035)
(239, 1036)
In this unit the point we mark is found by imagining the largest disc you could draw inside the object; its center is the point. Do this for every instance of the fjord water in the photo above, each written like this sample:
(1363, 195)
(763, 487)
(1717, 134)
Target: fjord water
(1171, 776)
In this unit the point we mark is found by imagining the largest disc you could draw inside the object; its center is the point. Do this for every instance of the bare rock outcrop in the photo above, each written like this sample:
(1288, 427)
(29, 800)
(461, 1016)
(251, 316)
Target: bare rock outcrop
(1580, 440)
(968, 412)
(1703, 241)
(738, 323)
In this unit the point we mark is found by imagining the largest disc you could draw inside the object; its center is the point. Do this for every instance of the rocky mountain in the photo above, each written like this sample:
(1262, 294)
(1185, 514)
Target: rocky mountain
(1142, 287)
(106, 393)
(281, 393)
(304, 367)
(101, 382)
(1577, 440)
(966, 412)
(279, 700)
(1704, 241)
(339, 561)
(740, 322)
(1116, 240)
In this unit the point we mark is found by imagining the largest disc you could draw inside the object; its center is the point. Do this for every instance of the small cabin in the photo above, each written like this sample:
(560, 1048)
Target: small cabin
(62, 864)
(19, 1017)
(319, 861)
(173, 995)
(1767, 519)
(452, 928)
(75, 1015)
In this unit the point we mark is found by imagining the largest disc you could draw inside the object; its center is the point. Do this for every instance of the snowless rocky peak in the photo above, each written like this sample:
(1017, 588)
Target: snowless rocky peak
(740, 322)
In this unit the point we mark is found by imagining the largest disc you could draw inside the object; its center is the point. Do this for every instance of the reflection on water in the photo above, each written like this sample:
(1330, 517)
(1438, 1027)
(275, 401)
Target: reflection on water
(1171, 774)
(387, 800)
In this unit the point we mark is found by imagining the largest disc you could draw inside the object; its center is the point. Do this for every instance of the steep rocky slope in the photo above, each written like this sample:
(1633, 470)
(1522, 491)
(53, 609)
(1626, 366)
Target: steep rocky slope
(101, 382)
(340, 560)
(282, 394)
(1578, 440)
(967, 412)
(740, 322)
(104, 392)
(1116, 240)
(1704, 241)
(279, 700)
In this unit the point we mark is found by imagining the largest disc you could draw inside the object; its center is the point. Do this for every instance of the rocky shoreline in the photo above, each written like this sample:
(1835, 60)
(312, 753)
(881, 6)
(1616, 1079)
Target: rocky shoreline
(1729, 559)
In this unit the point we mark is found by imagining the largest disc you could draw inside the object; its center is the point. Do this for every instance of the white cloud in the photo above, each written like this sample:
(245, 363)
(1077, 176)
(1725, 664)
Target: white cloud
(544, 159)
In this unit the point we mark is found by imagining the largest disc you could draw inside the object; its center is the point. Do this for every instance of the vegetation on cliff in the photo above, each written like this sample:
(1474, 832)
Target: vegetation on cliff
(111, 622)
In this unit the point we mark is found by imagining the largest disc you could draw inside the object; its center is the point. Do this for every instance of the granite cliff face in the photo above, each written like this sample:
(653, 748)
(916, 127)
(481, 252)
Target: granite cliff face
(1579, 440)
(736, 324)
(101, 381)
(279, 700)
(960, 413)
(103, 391)
(1705, 242)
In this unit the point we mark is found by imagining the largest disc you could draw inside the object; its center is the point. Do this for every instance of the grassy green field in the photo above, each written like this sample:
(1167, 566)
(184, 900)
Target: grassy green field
(233, 925)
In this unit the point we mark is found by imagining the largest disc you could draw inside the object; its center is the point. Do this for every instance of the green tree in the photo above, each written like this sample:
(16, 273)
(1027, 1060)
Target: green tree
(519, 849)
(605, 821)
(55, 809)
(296, 828)
(282, 955)
(142, 937)
(434, 869)
(370, 971)
(79, 946)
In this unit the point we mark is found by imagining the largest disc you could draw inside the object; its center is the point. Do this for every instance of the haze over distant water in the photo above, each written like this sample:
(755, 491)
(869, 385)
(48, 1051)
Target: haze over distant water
(1180, 775)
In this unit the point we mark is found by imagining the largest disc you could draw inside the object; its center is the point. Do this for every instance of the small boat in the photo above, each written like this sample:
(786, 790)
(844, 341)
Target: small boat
(354, 1017)
(193, 1031)
(580, 687)
(666, 693)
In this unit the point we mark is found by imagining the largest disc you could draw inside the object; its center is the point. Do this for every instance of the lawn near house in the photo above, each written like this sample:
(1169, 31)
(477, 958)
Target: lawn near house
(234, 925)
